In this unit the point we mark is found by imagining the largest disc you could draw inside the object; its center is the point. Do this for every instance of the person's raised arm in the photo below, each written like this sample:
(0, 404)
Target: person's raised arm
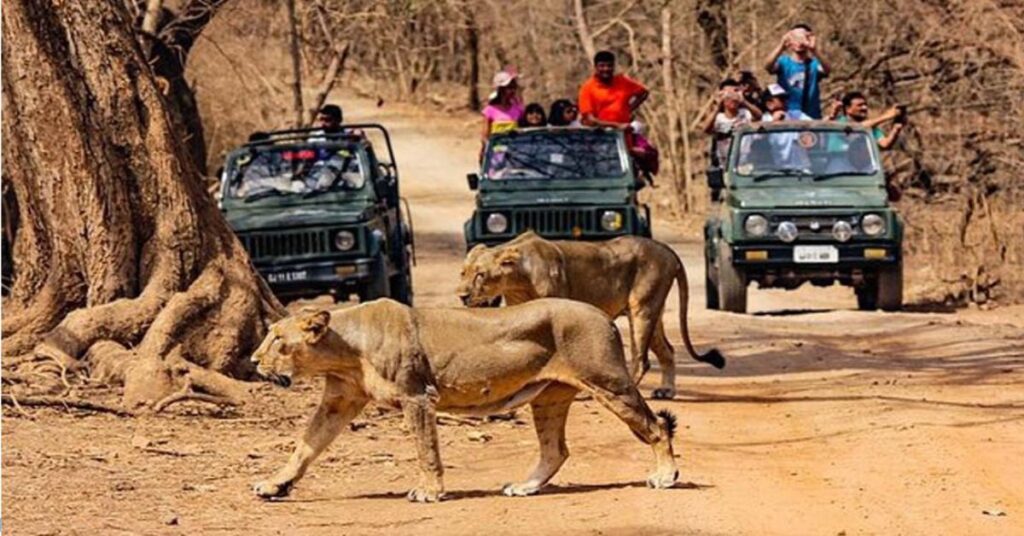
(889, 115)
(889, 139)
(755, 110)
(826, 67)
(772, 66)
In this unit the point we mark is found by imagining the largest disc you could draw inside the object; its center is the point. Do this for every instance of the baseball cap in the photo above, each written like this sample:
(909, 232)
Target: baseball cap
(776, 90)
(503, 78)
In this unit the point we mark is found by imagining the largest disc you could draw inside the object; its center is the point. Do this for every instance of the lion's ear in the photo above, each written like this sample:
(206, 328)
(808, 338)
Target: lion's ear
(510, 256)
(315, 326)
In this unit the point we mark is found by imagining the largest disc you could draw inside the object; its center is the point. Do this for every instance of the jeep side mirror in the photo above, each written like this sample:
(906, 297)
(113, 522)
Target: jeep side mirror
(473, 180)
(716, 181)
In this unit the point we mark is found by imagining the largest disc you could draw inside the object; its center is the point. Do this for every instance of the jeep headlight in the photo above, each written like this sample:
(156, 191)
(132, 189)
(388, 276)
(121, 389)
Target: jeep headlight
(344, 240)
(755, 225)
(787, 231)
(611, 220)
(842, 230)
(872, 224)
(497, 223)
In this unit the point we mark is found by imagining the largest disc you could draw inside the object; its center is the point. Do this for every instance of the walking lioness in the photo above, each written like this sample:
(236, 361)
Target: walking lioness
(628, 275)
(475, 361)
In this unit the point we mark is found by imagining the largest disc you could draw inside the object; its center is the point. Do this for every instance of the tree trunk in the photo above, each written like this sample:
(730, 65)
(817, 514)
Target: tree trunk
(583, 29)
(711, 17)
(119, 246)
(293, 49)
(473, 42)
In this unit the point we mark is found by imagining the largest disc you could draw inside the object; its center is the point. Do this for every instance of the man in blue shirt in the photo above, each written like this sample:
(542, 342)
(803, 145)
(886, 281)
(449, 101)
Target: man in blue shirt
(799, 69)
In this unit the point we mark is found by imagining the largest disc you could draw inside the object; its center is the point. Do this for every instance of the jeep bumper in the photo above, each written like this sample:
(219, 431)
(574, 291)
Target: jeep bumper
(862, 254)
(315, 278)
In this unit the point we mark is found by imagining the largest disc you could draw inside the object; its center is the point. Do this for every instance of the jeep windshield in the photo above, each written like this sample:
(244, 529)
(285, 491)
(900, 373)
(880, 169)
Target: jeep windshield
(821, 154)
(555, 154)
(302, 171)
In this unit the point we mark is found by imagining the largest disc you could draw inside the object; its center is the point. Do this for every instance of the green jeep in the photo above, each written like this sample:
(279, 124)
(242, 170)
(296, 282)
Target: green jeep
(799, 202)
(562, 183)
(321, 213)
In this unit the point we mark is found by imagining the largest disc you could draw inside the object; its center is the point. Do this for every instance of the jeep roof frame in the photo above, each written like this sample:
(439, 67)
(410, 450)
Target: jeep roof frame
(302, 135)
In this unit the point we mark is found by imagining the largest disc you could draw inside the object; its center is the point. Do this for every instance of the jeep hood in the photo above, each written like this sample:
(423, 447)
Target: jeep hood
(283, 217)
(809, 197)
(530, 197)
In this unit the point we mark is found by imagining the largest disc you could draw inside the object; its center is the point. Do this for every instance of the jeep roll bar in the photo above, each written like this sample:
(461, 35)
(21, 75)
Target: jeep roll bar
(303, 135)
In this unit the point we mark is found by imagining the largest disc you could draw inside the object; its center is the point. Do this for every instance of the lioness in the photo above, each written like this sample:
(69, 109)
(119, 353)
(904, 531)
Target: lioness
(464, 361)
(628, 275)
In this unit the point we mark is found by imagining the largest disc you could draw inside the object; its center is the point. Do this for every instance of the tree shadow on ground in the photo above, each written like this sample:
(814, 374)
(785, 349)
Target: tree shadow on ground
(944, 353)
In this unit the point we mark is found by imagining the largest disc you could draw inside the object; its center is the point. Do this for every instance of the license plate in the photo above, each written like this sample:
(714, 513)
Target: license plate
(287, 277)
(815, 254)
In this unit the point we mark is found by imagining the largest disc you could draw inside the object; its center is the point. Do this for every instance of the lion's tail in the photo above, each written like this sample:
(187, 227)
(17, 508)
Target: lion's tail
(670, 422)
(713, 357)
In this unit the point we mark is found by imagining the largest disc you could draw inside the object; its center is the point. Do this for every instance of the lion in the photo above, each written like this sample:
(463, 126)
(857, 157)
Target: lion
(628, 275)
(471, 361)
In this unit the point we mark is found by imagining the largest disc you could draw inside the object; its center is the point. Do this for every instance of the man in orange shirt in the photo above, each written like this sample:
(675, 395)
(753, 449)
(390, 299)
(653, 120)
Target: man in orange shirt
(608, 99)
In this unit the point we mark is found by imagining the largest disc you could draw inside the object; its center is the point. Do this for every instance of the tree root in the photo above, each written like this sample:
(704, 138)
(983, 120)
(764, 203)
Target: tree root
(186, 393)
(65, 403)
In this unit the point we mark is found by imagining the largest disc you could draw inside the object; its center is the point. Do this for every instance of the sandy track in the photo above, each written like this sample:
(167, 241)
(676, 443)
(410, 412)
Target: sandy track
(826, 421)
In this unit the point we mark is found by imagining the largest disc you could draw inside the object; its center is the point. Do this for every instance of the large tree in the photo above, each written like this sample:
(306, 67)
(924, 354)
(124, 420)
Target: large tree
(124, 267)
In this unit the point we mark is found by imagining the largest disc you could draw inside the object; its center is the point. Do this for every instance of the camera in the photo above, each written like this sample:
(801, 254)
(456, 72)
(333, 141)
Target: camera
(901, 115)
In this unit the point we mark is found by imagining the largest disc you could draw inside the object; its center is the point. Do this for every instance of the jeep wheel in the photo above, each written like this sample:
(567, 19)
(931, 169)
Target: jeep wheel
(867, 296)
(401, 288)
(710, 289)
(732, 283)
(890, 287)
(378, 287)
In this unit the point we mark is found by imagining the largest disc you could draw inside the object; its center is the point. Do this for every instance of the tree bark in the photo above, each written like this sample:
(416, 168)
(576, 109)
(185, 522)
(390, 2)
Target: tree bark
(293, 50)
(583, 29)
(119, 245)
(473, 44)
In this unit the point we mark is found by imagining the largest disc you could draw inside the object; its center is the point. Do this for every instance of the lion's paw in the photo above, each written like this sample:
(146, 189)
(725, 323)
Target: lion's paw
(524, 489)
(422, 495)
(271, 490)
(663, 393)
(663, 479)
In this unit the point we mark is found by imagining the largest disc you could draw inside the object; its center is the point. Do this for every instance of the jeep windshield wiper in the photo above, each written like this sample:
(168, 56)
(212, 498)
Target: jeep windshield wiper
(826, 176)
(781, 172)
(264, 193)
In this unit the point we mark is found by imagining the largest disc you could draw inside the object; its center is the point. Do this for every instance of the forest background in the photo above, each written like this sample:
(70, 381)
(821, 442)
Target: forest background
(958, 65)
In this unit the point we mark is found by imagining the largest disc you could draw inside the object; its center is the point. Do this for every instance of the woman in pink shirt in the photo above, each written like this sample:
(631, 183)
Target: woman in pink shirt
(505, 108)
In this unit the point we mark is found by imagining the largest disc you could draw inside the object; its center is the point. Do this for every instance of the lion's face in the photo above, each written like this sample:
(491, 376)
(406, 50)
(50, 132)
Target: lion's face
(487, 274)
(290, 346)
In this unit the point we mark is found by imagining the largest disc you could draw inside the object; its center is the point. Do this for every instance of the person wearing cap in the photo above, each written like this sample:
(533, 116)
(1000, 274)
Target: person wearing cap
(607, 99)
(504, 107)
(775, 106)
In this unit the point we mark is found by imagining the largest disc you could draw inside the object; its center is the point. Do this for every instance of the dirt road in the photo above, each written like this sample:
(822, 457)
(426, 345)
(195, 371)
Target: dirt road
(826, 421)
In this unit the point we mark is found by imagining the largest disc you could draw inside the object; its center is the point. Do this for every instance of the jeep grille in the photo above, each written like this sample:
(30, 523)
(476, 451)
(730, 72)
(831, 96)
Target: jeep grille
(557, 221)
(290, 244)
(813, 226)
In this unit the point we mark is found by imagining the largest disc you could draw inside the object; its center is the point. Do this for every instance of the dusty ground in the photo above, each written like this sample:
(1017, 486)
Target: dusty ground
(826, 421)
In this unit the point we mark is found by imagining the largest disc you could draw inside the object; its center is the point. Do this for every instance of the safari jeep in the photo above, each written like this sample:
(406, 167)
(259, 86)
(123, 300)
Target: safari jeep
(563, 183)
(802, 202)
(320, 213)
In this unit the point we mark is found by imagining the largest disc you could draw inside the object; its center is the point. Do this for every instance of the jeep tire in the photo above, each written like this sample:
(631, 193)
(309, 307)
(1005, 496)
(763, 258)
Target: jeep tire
(710, 289)
(884, 292)
(732, 283)
(378, 286)
(401, 287)
(890, 287)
